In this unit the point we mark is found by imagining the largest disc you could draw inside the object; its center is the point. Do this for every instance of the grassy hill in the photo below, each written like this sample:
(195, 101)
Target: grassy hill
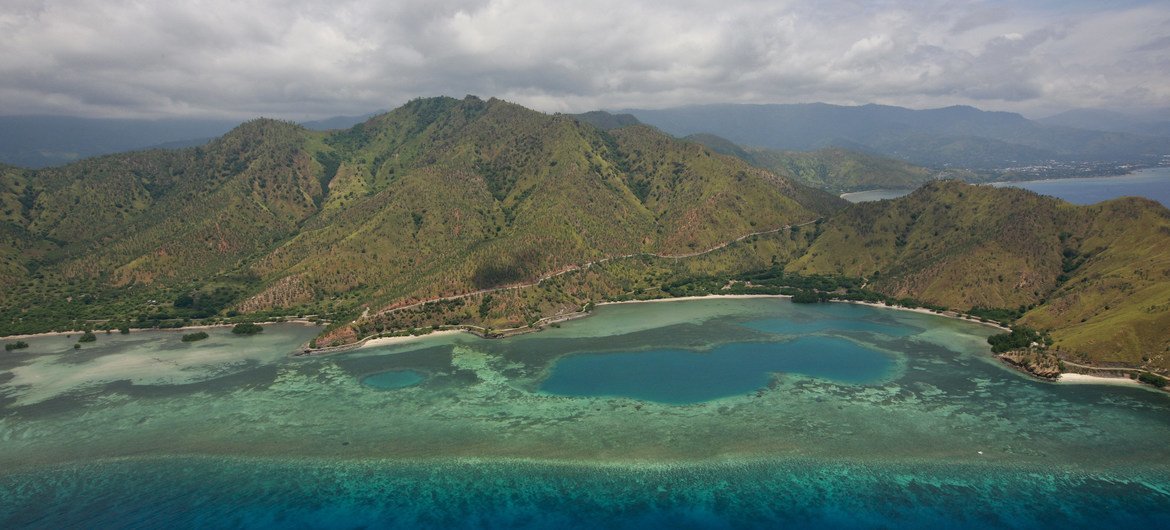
(1096, 276)
(440, 196)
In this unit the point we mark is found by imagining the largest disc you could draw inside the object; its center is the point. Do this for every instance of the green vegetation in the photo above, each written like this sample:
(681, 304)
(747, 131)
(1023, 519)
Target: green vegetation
(443, 197)
(1018, 338)
(197, 336)
(18, 345)
(247, 328)
(88, 336)
(1153, 379)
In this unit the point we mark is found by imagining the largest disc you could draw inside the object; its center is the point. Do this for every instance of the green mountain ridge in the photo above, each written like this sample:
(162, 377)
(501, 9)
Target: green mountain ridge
(833, 169)
(439, 196)
(446, 198)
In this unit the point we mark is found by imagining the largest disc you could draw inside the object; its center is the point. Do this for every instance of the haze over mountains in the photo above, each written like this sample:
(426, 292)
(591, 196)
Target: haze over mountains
(43, 141)
(947, 137)
(446, 197)
(951, 137)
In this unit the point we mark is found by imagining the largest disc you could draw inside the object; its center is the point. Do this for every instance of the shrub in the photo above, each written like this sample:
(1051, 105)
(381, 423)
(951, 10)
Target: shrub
(247, 328)
(1153, 379)
(192, 337)
(18, 345)
(88, 336)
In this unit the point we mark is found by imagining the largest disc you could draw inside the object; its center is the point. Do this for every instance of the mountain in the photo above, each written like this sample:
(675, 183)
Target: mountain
(606, 121)
(1096, 276)
(1153, 124)
(336, 122)
(948, 137)
(486, 214)
(439, 196)
(832, 169)
(43, 141)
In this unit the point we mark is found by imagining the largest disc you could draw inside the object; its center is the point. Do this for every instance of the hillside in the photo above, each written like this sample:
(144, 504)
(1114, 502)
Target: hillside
(832, 169)
(1093, 275)
(439, 196)
(946, 137)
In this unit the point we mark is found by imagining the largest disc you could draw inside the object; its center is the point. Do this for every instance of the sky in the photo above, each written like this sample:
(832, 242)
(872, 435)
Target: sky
(308, 59)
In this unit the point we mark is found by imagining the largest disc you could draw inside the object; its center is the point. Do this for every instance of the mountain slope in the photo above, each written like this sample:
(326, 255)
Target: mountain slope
(1096, 276)
(439, 196)
(832, 169)
(479, 194)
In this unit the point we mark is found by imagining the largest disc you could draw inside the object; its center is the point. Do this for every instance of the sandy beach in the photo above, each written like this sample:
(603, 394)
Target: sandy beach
(383, 341)
(871, 304)
(681, 298)
(1083, 379)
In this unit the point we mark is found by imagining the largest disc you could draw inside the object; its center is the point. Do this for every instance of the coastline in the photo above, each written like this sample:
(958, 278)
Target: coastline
(1069, 378)
(385, 341)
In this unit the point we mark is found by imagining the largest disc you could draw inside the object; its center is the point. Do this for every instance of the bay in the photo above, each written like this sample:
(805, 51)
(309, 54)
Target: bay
(911, 424)
(1151, 183)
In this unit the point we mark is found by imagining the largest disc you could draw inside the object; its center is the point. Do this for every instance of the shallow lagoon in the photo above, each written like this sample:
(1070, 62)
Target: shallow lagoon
(144, 431)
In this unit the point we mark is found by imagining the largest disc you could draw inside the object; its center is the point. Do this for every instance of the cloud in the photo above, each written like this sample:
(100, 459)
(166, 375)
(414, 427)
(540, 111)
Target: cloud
(301, 58)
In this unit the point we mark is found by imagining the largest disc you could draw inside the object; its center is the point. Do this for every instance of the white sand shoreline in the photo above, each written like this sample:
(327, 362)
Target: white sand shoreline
(1085, 379)
(384, 341)
(684, 298)
(920, 310)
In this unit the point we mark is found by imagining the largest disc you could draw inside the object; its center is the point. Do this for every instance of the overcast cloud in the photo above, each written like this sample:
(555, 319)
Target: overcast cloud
(306, 58)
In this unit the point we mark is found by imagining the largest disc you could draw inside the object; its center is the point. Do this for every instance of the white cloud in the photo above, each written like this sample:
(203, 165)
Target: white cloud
(301, 58)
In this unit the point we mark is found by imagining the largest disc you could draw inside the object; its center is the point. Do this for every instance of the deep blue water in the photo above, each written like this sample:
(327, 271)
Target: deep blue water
(393, 379)
(681, 376)
(1152, 183)
(210, 492)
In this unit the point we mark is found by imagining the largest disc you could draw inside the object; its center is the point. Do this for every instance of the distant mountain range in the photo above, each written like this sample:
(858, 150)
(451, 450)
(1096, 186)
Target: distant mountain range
(1155, 123)
(832, 169)
(957, 136)
(487, 214)
(952, 137)
(43, 141)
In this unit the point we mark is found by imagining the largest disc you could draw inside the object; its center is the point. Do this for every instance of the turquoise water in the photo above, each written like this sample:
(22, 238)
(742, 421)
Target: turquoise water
(682, 377)
(393, 379)
(874, 195)
(1151, 183)
(910, 424)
